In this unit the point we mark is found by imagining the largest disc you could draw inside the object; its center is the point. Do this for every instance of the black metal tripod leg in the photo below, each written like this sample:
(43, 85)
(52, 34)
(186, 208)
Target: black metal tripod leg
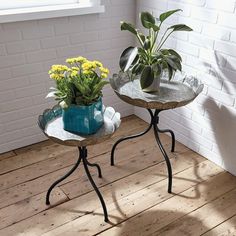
(95, 165)
(84, 156)
(165, 156)
(130, 137)
(61, 179)
(172, 137)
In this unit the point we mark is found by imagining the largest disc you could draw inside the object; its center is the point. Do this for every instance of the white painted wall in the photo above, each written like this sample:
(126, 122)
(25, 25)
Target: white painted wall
(208, 125)
(28, 49)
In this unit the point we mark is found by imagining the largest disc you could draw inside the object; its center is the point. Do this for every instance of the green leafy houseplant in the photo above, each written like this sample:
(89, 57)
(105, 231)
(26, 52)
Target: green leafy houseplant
(150, 59)
(79, 91)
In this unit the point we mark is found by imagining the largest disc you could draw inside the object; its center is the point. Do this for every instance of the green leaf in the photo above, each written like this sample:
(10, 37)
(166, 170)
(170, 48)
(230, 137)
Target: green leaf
(170, 71)
(165, 15)
(157, 69)
(147, 19)
(51, 94)
(99, 86)
(171, 63)
(147, 44)
(180, 27)
(173, 52)
(127, 58)
(147, 77)
(128, 26)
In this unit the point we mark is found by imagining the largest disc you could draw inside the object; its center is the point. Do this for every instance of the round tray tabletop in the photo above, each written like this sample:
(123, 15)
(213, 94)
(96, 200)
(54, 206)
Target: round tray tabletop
(175, 93)
(52, 125)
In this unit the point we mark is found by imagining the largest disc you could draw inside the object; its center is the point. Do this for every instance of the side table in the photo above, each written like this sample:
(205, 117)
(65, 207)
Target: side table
(172, 94)
(51, 124)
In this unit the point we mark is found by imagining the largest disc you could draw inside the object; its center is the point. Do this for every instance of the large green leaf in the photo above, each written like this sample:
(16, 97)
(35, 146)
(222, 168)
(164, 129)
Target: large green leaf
(165, 15)
(128, 26)
(171, 63)
(127, 57)
(147, 77)
(180, 27)
(147, 19)
(174, 53)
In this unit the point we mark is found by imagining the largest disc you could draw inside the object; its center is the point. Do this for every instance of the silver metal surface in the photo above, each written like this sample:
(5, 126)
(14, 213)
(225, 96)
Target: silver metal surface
(180, 91)
(51, 124)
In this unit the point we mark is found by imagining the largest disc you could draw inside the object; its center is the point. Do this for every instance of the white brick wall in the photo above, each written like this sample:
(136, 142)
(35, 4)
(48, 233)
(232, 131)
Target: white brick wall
(27, 49)
(208, 125)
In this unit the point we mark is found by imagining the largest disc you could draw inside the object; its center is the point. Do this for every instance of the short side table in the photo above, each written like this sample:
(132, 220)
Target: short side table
(172, 94)
(51, 124)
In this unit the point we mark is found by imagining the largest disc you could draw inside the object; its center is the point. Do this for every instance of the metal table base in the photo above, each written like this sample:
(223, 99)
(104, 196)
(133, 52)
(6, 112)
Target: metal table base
(154, 123)
(86, 163)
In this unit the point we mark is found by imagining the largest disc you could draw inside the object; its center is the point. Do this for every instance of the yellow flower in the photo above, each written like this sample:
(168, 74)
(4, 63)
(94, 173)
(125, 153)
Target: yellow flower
(74, 60)
(74, 73)
(98, 63)
(70, 61)
(75, 68)
(87, 66)
(104, 70)
(103, 75)
(57, 76)
(86, 72)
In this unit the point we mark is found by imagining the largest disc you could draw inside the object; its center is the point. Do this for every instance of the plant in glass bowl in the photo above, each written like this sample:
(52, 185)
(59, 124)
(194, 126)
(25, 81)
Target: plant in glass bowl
(149, 60)
(79, 92)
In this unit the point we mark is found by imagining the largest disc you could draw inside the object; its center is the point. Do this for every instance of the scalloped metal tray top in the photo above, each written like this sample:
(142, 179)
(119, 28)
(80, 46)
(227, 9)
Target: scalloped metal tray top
(52, 126)
(178, 92)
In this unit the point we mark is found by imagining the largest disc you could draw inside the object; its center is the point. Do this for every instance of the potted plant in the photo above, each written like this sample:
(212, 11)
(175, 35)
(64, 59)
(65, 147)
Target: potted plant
(149, 60)
(79, 92)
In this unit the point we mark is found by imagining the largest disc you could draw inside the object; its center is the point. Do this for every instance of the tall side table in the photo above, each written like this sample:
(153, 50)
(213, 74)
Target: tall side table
(51, 124)
(172, 94)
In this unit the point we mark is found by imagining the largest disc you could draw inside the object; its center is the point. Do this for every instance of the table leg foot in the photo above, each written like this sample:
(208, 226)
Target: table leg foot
(61, 179)
(83, 154)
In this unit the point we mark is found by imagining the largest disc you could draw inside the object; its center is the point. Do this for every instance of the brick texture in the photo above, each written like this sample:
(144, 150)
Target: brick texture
(208, 125)
(27, 49)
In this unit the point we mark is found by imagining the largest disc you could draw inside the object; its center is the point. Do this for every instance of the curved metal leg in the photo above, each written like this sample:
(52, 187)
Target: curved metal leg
(95, 165)
(130, 137)
(163, 152)
(61, 179)
(172, 136)
(83, 153)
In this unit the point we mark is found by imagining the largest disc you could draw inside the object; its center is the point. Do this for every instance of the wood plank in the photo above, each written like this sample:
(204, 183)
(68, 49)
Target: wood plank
(227, 228)
(36, 170)
(163, 214)
(6, 155)
(34, 156)
(131, 205)
(127, 183)
(41, 184)
(69, 213)
(204, 218)
(28, 207)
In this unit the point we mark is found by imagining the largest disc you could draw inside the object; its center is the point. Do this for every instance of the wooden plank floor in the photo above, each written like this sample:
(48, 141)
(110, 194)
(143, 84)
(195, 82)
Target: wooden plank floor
(203, 201)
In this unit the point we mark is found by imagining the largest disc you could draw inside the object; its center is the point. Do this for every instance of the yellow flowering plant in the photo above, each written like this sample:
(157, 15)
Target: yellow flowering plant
(80, 83)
